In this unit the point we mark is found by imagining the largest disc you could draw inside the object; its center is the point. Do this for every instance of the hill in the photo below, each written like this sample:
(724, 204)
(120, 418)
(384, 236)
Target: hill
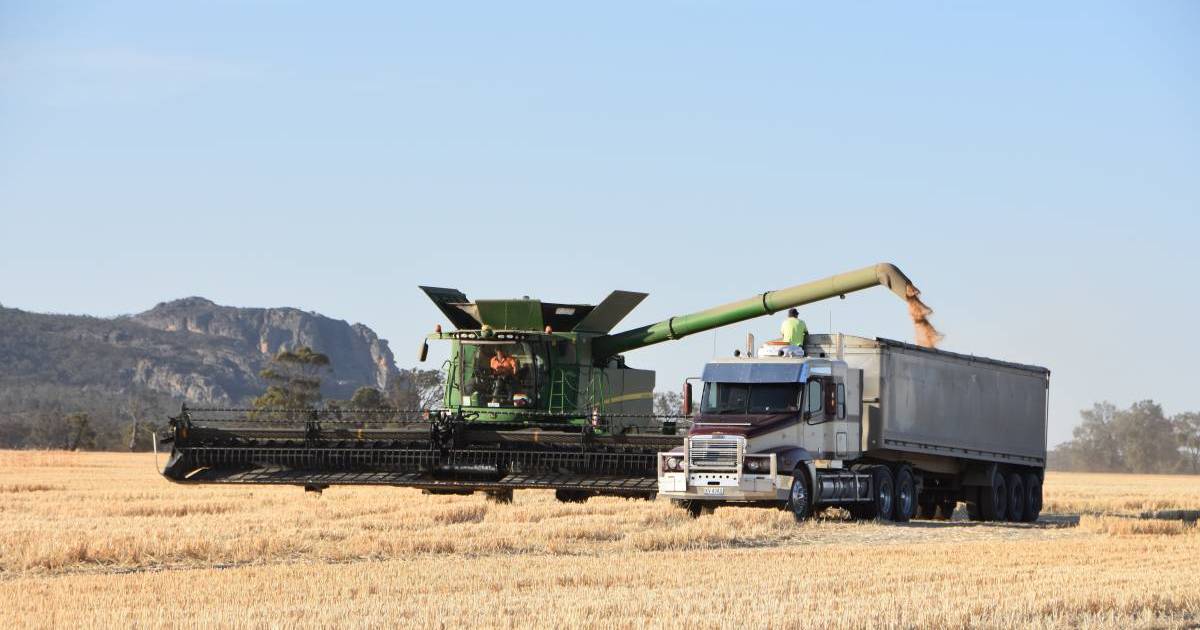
(190, 350)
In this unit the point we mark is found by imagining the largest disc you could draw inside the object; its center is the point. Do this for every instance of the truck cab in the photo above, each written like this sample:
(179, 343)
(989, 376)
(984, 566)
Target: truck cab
(778, 428)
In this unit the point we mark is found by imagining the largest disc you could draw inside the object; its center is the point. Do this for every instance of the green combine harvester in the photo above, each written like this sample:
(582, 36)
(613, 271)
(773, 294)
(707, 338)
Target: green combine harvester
(537, 395)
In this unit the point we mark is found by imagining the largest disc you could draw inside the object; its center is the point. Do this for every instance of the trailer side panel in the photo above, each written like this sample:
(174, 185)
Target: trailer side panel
(940, 403)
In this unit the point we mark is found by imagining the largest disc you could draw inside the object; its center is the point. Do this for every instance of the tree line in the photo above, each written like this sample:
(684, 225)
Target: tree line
(294, 382)
(52, 416)
(1140, 439)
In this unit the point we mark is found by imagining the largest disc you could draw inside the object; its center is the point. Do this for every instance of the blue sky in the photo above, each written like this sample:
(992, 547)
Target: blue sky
(1032, 166)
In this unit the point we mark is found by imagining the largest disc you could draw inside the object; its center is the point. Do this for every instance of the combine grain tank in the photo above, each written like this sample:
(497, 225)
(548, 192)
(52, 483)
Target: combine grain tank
(883, 428)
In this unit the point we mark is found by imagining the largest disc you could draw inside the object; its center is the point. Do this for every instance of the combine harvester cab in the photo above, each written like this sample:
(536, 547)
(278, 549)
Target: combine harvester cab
(882, 428)
(537, 395)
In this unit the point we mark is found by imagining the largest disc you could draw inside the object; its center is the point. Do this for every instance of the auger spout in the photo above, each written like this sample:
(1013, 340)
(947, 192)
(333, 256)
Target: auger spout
(882, 274)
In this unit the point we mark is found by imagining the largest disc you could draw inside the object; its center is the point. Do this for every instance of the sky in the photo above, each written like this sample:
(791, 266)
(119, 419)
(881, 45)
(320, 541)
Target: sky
(1033, 167)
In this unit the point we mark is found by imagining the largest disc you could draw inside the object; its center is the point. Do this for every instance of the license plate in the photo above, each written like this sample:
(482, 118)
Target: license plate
(716, 490)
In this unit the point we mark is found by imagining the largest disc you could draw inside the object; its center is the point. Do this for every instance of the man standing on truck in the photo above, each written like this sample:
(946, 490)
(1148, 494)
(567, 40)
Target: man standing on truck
(793, 329)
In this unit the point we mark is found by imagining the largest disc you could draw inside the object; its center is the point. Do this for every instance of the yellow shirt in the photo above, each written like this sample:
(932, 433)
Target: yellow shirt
(793, 331)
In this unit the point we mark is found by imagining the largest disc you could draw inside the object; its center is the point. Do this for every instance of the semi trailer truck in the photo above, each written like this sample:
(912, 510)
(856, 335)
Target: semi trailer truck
(882, 428)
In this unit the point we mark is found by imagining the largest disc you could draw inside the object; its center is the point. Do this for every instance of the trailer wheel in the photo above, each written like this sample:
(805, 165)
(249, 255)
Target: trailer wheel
(800, 497)
(993, 498)
(1033, 498)
(906, 495)
(1016, 497)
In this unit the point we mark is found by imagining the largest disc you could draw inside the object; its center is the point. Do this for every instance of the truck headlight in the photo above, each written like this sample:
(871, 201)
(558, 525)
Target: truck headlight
(758, 464)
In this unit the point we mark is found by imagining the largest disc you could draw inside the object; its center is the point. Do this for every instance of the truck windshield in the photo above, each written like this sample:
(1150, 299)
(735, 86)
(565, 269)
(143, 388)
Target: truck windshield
(501, 374)
(744, 398)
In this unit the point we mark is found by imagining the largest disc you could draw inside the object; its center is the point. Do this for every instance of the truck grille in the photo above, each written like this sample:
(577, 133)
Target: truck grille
(714, 453)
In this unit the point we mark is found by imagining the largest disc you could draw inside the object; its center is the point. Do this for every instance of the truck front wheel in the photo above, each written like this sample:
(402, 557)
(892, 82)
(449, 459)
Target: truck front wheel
(800, 498)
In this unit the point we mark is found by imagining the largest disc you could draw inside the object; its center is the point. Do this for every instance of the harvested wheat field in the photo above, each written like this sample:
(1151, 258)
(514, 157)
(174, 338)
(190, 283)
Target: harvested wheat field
(100, 539)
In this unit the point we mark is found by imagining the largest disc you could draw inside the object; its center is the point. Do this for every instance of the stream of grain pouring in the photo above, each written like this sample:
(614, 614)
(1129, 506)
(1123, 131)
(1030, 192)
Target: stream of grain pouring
(927, 335)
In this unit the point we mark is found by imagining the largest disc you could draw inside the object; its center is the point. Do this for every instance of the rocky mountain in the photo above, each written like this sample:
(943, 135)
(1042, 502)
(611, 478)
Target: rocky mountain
(190, 349)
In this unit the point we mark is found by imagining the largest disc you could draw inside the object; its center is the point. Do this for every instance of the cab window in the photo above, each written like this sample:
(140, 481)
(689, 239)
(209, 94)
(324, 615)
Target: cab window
(502, 374)
(750, 398)
(814, 397)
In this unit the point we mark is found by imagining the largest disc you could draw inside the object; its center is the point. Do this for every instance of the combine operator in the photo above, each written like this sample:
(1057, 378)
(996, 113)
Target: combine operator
(504, 373)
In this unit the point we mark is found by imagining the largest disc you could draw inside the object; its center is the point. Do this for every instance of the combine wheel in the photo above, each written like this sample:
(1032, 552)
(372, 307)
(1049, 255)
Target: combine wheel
(993, 498)
(572, 496)
(906, 495)
(499, 496)
(1033, 497)
(800, 502)
(1016, 497)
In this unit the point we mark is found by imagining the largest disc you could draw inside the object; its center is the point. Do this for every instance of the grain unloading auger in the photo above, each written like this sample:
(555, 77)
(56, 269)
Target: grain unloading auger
(537, 395)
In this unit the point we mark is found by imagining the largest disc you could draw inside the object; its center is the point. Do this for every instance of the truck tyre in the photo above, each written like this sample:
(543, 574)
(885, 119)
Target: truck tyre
(800, 502)
(993, 498)
(1033, 497)
(906, 495)
(884, 502)
(1016, 497)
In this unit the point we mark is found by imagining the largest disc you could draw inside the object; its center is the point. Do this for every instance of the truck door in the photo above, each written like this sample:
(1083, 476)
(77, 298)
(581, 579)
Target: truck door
(850, 400)
(844, 413)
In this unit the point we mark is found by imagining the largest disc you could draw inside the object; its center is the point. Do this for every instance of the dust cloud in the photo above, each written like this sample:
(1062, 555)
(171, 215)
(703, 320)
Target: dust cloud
(927, 335)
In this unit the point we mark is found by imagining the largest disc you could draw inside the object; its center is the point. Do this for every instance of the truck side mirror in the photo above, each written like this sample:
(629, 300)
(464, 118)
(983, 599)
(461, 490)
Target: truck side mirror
(687, 398)
(423, 352)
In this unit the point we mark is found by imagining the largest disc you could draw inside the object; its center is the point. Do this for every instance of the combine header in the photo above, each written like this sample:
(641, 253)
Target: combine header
(537, 395)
